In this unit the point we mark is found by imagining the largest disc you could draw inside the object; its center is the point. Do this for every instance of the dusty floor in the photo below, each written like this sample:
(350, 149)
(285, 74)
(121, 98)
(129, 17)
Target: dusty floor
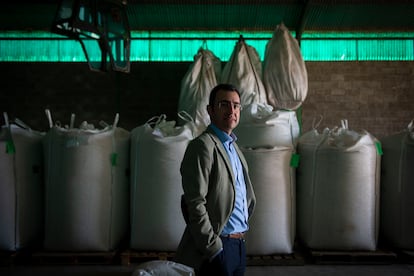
(379, 263)
(309, 270)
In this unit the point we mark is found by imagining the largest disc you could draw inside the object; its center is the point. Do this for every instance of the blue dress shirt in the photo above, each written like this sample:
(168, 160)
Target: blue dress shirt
(237, 222)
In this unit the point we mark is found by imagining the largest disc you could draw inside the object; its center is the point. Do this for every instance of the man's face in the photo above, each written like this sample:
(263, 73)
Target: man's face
(225, 113)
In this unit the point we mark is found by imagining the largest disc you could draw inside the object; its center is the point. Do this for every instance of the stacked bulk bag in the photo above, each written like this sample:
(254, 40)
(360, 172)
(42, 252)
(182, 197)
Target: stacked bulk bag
(338, 189)
(284, 72)
(267, 139)
(272, 227)
(244, 70)
(397, 189)
(21, 187)
(261, 126)
(87, 187)
(196, 86)
(157, 149)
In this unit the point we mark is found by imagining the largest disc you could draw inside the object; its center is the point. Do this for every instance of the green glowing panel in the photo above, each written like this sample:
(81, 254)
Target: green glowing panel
(93, 50)
(181, 46)
(139, 50)
(67, 51)
(41, 51)
(185, 50)
(357, 35)
(385, 50)
(165, 50)
(199, 35)
(222, 49)
(329, 50)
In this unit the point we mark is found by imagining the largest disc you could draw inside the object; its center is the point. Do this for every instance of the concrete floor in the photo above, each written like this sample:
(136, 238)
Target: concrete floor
(379, 263)
(308, 270)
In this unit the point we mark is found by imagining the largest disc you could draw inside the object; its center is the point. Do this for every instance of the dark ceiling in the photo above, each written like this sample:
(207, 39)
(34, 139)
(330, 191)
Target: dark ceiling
(235, 15)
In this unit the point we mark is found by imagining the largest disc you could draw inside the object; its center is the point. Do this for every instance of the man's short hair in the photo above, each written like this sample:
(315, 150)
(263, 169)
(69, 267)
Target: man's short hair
(222, 86)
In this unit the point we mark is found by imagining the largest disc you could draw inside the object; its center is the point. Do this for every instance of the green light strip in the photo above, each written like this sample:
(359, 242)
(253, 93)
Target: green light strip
(215, 34)
(182, 46)
(200, 35)
(358, 35)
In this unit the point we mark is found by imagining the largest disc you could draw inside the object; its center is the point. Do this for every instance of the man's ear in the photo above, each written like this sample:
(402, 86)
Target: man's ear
(209, 109)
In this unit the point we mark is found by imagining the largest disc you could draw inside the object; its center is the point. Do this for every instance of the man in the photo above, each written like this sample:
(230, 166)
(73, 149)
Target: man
(218, 195)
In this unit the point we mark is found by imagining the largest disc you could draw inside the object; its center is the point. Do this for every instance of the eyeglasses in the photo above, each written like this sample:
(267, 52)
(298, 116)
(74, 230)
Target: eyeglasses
(228, 104)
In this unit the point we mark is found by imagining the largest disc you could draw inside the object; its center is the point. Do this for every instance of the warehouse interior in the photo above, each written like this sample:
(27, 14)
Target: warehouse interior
(359, 61)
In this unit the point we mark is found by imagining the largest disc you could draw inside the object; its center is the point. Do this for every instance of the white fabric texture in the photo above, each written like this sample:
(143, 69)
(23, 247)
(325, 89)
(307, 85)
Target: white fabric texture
(21, 187)
(284, 72)
(87, 188)
(157, 149)
(268, 140)
(244, 70)
(272, 226)
(196, 86)
(163, 268)
(397, 189)
(338, 190)
(261, 127)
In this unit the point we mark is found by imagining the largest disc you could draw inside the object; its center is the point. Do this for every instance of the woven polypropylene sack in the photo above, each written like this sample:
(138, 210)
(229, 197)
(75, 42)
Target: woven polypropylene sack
(163, 268)
(87, 188)
(260, 126)
(196, 85)
(272, 226)
(21, 188)
(156, 154)
(244, 70)
(397, 189)
(338, 190)
(284, 72)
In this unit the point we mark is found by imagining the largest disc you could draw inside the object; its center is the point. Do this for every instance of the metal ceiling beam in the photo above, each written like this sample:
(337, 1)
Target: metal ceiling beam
(302, 20)
(250, 15)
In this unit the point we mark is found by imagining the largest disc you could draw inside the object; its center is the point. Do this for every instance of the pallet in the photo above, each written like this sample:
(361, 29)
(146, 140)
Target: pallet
(129, 257)
(75, 258)
(406, 256)
(8, 258)
(275, 260)
(353, 257)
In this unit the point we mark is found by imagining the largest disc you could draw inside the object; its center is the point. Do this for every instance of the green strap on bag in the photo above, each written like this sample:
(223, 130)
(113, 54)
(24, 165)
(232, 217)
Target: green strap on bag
(294, 160)
(379, 148)
(10, 149)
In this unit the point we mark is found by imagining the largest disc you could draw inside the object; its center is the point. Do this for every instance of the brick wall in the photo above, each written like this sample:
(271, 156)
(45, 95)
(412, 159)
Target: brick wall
(375, 96)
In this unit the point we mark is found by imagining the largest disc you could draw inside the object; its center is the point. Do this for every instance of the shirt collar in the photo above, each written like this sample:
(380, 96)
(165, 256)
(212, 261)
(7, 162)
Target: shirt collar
(223, 136)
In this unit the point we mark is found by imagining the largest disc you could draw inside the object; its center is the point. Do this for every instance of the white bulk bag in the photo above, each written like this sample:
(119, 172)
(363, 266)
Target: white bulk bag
(338, 190)
(196, 86)
(244, 70)
(87, 188)
(163, 268)
(397, 189)
(157, 150)
(284, 72)
(272, 227)
(21, 187)
(260, 126)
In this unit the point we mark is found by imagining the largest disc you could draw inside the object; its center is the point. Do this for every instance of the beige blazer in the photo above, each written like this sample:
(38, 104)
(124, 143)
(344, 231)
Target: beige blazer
(209, 193)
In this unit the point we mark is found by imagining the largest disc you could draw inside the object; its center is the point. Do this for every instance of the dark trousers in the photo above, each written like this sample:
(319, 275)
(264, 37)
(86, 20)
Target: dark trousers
(231, 261)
